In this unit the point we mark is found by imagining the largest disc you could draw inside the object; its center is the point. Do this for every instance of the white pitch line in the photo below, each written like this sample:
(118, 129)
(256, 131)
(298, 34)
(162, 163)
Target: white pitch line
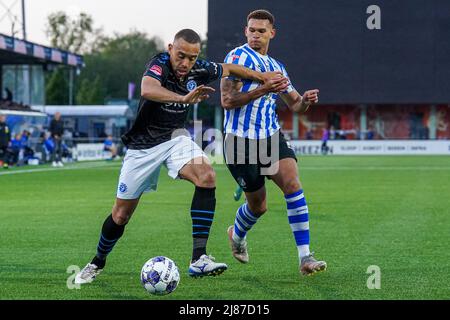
(346, 168)
(421, 168)
(73, 167)
(337, 168)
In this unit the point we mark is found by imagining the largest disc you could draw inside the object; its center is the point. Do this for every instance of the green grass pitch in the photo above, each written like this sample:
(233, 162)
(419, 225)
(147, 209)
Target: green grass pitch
(392, 212)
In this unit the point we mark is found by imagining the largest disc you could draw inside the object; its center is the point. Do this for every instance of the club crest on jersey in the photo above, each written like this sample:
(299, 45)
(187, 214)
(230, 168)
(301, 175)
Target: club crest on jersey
(191, 85)
(123, 187)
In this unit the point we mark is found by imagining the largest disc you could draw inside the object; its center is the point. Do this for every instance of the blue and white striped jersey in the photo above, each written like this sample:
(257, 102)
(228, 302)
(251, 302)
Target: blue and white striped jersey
(256, 120)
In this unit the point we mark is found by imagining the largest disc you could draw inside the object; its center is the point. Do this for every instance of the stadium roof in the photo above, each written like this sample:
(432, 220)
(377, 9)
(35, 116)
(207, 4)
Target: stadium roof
(16, 51)
(22, 113)
(87, 110)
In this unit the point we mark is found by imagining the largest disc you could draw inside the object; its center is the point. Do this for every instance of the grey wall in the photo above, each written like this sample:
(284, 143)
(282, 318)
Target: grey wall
(326, 44)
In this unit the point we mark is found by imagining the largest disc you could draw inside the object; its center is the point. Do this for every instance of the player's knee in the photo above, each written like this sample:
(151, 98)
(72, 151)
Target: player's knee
(207, 178)
(258, 208)
(121, 215)
(121, 219)
(292, 186)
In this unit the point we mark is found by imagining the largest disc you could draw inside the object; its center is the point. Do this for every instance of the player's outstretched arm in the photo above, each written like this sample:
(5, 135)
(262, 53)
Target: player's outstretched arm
(247, 73)
(298, 103)
(231, 97)
(151, 89)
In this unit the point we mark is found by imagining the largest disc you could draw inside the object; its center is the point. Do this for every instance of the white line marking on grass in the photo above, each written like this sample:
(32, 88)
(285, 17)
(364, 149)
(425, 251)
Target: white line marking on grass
(356, 168)
(102, 165)
(68, 167)
(421, 168)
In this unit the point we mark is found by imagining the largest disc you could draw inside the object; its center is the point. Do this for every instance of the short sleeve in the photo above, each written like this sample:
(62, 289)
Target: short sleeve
(215, 71)
(290, 88)
(210, 71)
(238, 56)
(156, 69)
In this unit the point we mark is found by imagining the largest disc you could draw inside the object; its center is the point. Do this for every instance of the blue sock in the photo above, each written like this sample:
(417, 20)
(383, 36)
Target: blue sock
(299, 221)
(111, 233)
(244, 221)
(105, 246)
(202, 214)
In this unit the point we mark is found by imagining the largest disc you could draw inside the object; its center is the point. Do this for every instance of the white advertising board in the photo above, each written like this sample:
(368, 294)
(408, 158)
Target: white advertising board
(91, 151)
(373, 147)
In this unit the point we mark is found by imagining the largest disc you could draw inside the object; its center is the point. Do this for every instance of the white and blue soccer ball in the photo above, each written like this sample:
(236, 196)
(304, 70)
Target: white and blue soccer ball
(160, 275)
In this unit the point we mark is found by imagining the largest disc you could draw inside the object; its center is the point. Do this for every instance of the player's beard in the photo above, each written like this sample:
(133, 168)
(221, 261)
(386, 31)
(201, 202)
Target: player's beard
(255, 46)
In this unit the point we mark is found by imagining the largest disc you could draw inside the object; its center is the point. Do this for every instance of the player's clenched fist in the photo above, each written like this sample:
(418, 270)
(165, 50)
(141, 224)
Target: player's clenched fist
(311, 97)
(275, 81)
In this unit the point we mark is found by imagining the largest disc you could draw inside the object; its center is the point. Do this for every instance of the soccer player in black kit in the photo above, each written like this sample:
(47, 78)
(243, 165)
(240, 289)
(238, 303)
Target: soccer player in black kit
(172, 81)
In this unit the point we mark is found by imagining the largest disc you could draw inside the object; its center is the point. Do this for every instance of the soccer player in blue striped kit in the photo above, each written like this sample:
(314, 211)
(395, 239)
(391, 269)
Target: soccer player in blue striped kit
(251, 123)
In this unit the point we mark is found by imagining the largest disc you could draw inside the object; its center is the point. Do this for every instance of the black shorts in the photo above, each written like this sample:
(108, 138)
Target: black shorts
(249, 159)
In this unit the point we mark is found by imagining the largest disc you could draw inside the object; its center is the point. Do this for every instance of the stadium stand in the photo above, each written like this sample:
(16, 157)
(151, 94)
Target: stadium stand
(22, 82)
(373, 83)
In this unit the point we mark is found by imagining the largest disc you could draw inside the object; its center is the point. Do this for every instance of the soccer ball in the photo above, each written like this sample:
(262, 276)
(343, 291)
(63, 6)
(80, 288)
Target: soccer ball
(160, 276)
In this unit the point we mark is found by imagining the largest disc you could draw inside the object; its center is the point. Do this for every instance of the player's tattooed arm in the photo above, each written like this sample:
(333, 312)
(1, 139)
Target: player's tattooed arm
(151, 89)
(232, 98)
(298, 103)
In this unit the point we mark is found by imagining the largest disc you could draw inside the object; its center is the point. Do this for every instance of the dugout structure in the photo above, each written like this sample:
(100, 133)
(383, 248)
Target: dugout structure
(382, 68)
(22, 66)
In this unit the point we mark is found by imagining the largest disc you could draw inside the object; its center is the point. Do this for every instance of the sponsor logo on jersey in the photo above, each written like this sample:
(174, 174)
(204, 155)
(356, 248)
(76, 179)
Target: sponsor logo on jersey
(235, 57)
(156, 70)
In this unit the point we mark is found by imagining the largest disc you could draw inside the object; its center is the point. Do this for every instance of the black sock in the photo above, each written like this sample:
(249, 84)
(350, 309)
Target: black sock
(111, 233)
(202, 214)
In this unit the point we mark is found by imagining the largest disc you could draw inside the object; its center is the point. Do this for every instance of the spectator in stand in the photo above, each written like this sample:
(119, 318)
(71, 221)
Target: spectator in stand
(57, 130)
(359, 135)
(9, 95)
(309, 134)
(49, 145)
(66, 152)
(5, 137)
(110, 146)
(15, 149)
(28, 152)
(332, 133)
(24, 137)
(68, 139)
(370, 134)
(325, 138)
(425, 132)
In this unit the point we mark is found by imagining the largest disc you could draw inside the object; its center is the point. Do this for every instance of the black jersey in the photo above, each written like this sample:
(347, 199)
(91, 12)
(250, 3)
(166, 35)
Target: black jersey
(156, 121)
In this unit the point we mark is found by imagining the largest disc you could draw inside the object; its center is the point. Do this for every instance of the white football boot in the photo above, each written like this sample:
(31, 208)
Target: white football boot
(205, 266)
(87, 274)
